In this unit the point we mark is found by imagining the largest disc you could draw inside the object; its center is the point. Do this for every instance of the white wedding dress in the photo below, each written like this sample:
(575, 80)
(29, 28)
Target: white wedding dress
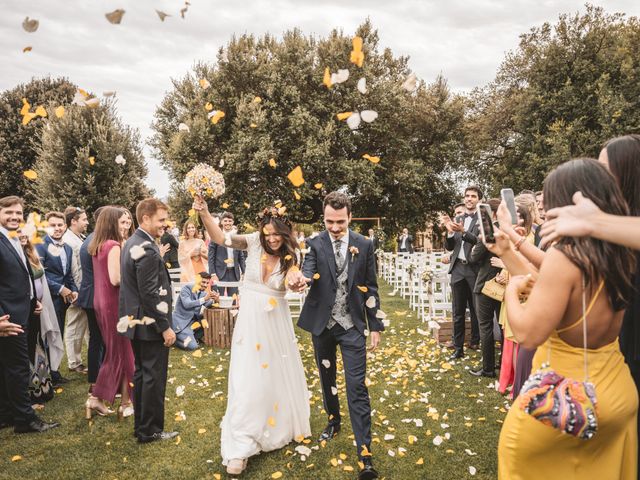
(268, 399)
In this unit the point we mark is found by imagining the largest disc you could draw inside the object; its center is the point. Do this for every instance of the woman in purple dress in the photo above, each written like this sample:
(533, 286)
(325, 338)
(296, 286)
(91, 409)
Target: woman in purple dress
(116, 372)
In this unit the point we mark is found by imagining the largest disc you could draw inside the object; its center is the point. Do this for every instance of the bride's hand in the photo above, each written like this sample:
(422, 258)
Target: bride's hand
(199, 205)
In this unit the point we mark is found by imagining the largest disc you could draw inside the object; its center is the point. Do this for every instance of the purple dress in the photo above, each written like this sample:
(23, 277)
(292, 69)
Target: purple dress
(118, 363)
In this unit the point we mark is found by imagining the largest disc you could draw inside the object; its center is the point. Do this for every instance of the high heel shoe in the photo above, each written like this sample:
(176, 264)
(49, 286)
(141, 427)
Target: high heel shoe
(125, 411)
(94, 404)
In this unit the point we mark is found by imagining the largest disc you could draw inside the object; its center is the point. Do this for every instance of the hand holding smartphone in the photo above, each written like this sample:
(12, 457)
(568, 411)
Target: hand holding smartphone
(510, 200)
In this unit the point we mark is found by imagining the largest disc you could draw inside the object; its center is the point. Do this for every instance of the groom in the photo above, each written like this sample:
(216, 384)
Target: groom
(340, 309)
(145, 295)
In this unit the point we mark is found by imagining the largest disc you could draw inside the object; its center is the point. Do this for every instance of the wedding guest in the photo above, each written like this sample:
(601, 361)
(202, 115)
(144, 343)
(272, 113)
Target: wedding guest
(301, 239)
(145, 295)
(540, 204)
(76, 329)
(188, 310)
(17, 302)
(43, 330)
(116, 371)
(226, 264)
(461, 237)
(621, 156)
(579, 294)
(95, 352)
(487, 307)
(192, 253)
(405, 242)
(56, 258)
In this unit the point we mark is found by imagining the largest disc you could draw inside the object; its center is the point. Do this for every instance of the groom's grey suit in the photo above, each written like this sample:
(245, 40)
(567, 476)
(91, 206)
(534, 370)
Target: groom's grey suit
(336, 314)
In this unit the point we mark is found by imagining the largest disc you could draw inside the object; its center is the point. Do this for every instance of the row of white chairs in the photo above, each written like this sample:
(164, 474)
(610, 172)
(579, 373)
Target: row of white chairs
(406, 271)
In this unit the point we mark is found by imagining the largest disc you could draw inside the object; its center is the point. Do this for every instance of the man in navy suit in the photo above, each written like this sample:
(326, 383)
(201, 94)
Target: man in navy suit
(56, 258)
(17, 303)
(342, 308)
(225, 263)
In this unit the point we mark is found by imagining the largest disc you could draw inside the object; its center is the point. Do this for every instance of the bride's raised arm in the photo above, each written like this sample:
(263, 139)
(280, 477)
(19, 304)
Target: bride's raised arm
(238, 242)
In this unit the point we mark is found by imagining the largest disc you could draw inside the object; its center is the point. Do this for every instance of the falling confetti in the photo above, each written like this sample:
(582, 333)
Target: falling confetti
(295, 177)
(162, 15)
(30, 25)
(410, 83)
(115, 17)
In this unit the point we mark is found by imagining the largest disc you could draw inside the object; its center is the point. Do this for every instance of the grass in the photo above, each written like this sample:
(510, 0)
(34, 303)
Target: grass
(410, 379)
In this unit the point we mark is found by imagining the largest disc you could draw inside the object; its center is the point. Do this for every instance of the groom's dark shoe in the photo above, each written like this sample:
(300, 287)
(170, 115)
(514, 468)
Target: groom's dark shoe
(158, 437)
(368, 472)
(329, 432)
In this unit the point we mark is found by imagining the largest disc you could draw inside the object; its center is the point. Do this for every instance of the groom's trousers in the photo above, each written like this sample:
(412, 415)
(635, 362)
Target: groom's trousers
(150, 383)
(354, 357)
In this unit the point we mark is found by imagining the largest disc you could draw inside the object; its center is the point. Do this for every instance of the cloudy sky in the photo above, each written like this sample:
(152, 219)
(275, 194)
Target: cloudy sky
(463, 40)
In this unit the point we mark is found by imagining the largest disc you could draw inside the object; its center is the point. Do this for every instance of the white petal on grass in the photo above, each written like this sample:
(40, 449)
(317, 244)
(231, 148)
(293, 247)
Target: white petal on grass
(354, 121)
(368, 115)
(437, 440)
(362, 85)
(472, 470)
(180, 391)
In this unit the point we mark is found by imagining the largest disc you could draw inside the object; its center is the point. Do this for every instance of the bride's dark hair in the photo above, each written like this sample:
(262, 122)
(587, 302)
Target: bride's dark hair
(596, 259)
(282, 226)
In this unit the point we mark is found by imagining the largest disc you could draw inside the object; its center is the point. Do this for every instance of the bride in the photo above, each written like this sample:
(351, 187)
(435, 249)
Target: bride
(268, 400)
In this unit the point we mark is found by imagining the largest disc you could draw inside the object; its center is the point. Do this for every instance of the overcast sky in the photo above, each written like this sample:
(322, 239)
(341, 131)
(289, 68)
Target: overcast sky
(464, 40)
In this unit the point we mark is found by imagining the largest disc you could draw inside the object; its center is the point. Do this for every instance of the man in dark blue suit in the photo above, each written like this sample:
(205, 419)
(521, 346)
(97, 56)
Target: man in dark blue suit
(342, 308)
(225, 263)
(17, 303)
(56, 257)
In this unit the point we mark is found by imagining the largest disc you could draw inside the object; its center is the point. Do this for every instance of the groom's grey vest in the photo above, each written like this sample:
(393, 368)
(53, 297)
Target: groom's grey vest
(339, 313)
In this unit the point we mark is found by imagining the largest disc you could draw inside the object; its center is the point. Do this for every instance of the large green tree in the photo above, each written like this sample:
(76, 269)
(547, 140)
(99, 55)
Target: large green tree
(566, 89)
(276, 107)
(76, 161)
(18, 142)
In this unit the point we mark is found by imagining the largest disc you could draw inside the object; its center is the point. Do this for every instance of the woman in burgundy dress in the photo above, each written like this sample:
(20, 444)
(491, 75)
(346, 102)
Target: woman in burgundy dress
(116, 373)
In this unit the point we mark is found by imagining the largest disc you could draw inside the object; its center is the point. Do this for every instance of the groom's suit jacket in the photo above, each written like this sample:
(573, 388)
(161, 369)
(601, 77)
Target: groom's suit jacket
(320, 259)
(145, 287)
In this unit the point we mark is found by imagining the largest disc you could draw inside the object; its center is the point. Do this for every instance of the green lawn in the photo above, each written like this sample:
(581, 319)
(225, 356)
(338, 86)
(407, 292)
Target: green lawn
(415, 395)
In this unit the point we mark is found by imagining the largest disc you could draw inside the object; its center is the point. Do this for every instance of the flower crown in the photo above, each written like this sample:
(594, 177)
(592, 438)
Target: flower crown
(279, 212)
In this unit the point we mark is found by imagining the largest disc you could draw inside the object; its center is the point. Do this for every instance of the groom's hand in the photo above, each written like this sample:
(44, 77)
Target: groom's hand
(169, 337)
(375, 340)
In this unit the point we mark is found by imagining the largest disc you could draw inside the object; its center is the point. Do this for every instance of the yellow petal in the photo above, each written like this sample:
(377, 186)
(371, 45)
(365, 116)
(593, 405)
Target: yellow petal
(344, 115)
(420, 461)
(40, 111)
(316, 276)
(257, 100)
(288, 257)
(197, 354)
(371, 159)
(30, 174)
(253, 125)
(272, 162)
(276, 475)
(178, 440)
(92, 160)
(246, 205)
(202, 430)
(195, 325)
(326, 80)
(265, 365)
(204, 83)
(225, 205)
(16, 458)
(28, 117)
(208, 107)
(318, 186)
(258, 347)
(295, 176)
(271, 422)
(296, 195)
(273, 302)
(204, 323)
(363, 288)
(26, 106)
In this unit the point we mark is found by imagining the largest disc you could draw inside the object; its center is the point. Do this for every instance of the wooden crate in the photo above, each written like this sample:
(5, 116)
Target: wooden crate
(220, 328)
(445, 331)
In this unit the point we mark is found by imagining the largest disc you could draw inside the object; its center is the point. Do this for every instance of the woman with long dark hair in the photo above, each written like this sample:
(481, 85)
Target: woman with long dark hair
(621, 156)
(573, 316)
(116, 372)
(268, 403)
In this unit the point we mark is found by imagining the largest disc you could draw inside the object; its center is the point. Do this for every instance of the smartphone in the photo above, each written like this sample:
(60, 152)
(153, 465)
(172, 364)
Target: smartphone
(485, 220)
(510, 200)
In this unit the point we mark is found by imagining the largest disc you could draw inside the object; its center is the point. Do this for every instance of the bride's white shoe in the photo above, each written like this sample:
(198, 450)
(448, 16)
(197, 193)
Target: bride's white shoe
(236, 466)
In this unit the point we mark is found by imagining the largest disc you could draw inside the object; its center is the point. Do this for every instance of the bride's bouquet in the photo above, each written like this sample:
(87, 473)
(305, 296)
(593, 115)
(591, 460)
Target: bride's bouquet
(204, 181)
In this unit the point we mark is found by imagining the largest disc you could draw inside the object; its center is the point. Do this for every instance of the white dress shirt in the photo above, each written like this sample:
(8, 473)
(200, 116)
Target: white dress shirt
(344, 244)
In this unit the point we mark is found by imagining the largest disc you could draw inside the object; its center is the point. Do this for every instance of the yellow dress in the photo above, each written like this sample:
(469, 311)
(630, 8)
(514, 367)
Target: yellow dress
(528, 449)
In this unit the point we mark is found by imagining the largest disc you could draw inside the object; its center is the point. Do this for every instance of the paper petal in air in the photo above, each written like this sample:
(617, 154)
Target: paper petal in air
(79, 99)
(183, 127)
(326, 363)
(92, 102)
(162, 15)
(137, 252)
(30, 24)
(368, 115)
(59, 111)
(115, 17)
(27, 49)
(120, 160)
(109, 93)
(296, 177)
(410, 83)
(371, 302)
(204, 83)
(340, 76)
(123, 325)
(163, 307)
(334, 390)
(380, 314)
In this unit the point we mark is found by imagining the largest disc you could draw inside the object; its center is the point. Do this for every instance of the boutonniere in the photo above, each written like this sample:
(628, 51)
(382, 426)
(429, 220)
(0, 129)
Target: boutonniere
(354, 251)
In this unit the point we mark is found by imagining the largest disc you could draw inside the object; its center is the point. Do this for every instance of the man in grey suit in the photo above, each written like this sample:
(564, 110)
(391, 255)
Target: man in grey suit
(342, 308)
(145, 298)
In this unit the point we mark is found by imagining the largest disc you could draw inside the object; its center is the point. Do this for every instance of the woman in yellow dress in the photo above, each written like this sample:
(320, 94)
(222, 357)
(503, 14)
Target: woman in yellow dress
(192, 253)
(552, 320)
